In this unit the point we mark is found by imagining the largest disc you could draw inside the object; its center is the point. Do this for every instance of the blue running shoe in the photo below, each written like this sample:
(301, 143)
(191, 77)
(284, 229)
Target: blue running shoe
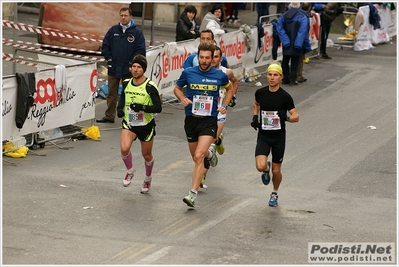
(273, 202)
(266, 175)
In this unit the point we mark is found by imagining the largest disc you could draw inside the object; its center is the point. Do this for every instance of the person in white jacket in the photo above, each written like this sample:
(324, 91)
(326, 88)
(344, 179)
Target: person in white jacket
(212, 21)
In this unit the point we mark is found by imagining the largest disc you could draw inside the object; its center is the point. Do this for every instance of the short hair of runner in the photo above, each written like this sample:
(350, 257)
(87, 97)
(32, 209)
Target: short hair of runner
(206, 47)
(208, 30)
(219, 49)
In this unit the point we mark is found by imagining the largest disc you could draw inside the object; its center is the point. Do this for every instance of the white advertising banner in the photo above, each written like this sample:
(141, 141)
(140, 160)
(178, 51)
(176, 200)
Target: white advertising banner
(166, 61)
(392, 23)
(314, 31)
(363, 38)
(52, 109)
(380, 36)
(165, 64)
(367, 35)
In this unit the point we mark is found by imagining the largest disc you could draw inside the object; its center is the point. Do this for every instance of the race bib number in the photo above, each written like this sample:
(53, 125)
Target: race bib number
(270, 120)
(135, 118)
(202, 105)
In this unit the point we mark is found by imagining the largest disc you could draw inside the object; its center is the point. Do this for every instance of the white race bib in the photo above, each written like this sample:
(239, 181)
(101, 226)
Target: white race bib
(135, 118)
(270, 120)
(202, 105)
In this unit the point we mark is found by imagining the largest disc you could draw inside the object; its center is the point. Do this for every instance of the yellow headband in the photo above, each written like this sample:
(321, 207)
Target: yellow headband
(275, 67)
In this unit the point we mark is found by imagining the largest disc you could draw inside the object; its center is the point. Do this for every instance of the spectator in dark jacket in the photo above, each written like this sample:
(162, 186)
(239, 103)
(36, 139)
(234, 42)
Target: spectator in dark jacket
(187, 27)
(293, 30)
(328, 13)
(121, 44)
(276, 39)
(306, 6)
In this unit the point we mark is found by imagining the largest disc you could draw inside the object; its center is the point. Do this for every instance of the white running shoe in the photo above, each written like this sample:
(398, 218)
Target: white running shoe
(145, 187)
(213, 161)
(189, 200)
(128, 179)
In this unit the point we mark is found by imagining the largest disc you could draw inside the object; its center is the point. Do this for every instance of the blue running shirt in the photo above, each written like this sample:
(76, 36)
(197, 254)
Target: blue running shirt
(203, 90)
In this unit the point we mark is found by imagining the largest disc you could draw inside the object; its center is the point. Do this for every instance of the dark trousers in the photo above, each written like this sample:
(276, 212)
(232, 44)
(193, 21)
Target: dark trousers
(290, 74)
(234, 11)
(262, 10)
(325, 30)
(112, 97)
(300, 67)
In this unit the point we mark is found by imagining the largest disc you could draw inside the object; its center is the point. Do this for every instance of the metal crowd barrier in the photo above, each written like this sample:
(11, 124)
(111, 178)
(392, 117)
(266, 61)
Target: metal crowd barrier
(38, 139)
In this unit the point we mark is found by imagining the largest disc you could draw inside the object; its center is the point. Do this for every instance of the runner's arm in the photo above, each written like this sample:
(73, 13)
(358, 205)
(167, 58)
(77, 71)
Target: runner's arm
(294, 116)
(255, 108)
(233, 79)
(180, 95)
(156, 100)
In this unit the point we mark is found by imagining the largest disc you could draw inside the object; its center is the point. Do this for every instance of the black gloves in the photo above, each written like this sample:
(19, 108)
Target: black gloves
(120, 113)
(232, 102)
(283, 115)
(136, 107)
(255, 122)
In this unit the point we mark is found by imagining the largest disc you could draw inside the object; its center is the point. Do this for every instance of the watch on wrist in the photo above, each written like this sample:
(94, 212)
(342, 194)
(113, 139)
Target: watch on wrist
(225, 106)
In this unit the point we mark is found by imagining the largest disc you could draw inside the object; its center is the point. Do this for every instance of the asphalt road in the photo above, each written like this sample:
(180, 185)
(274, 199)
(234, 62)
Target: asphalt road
(339, 182)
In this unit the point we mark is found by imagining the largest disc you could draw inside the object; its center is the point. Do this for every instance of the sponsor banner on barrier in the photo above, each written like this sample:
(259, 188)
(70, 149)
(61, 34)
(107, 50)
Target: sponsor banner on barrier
(379, 36)
(165, 64)
(363, 38)
(392, 23)
(367, 35)
(166, 61)
(51, 109)
(314, 31)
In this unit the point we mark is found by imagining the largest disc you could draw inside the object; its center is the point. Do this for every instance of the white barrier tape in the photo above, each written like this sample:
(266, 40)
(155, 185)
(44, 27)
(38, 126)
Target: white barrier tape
(19, 57)
(19, 60)
(46, 51)
(53, 46)
(8, 57)
(71, 35)
(48, 31)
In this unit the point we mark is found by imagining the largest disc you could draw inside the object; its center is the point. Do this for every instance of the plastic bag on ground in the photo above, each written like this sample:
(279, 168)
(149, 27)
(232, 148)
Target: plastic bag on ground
(93, 132)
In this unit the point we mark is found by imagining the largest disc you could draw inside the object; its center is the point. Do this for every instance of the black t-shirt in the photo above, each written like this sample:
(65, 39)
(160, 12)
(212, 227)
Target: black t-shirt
(273, 102)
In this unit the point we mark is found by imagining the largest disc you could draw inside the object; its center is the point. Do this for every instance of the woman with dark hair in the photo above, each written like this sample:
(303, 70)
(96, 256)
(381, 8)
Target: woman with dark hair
(187, 27)
(212, 21)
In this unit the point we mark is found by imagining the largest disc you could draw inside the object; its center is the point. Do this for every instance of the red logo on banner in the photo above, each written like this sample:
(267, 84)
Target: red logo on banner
(172, 63)
(93, 80)
(45, 91)
(315, 28)
(267, 41)
(233, 49)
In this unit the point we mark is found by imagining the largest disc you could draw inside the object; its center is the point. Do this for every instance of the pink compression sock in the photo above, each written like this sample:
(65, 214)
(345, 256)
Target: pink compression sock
(148, 167)
(128, 160)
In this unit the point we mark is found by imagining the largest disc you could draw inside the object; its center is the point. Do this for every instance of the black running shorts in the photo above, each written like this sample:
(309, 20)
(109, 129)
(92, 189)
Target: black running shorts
(197, 126)
(276, 144)
(144, 133)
